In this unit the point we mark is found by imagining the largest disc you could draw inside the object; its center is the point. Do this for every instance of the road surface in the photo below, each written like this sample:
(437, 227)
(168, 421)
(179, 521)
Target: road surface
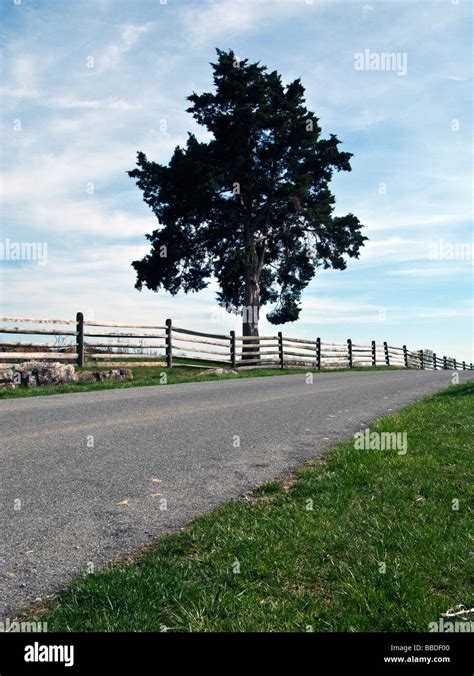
(84, 475)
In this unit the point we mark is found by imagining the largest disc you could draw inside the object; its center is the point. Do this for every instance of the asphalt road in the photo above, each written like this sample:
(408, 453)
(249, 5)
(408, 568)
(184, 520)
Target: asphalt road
(68, 461)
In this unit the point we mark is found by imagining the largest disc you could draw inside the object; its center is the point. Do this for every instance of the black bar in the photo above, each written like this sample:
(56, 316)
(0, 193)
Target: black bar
(136, 653)
(169, 344)
(387, 356)
(280, 349)
(405, 356)
(80, 339)
(232, 348)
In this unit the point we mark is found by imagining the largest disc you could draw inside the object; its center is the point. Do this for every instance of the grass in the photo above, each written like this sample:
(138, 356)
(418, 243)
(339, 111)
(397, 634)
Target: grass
(318, 569)
(152, 375)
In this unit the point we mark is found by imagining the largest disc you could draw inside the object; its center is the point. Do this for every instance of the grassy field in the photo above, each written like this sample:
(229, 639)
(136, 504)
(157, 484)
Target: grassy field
(365, 540)
(152, 375)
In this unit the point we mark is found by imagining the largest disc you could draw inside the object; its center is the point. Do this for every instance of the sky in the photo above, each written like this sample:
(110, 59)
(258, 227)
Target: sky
(85, 84)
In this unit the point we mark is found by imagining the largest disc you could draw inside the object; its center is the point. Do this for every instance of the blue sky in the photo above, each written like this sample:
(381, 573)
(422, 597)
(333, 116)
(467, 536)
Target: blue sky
(85, 84)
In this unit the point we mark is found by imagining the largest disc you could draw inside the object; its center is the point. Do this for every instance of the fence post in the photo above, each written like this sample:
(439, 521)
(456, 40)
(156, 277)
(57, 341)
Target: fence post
(80, 339)
(387, 356)
(455, 364)
(280, 349)
(405, 356)
(422, 360)
(349, 351)
(318, 353)
(232, 349)
(434, 361)
(374, 357)
(169, 345)
(445, 363)
(464, 366)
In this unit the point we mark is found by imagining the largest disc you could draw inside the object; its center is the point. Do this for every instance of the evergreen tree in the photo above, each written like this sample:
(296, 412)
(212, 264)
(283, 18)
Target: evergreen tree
(252, 206)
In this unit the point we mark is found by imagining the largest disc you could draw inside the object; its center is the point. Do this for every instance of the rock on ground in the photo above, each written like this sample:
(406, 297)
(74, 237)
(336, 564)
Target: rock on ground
(98, 376)
(217, 372)
(44, 374)
(40, 374)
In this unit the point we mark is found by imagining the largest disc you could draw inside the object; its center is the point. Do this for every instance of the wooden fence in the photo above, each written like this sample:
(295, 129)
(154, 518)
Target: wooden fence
(104, 344)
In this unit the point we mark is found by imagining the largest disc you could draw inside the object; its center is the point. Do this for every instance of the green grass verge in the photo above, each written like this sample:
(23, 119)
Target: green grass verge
(152, 375)
(318, 568)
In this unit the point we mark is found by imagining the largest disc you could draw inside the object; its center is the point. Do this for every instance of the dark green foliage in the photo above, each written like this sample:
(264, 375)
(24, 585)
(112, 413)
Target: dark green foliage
(252, 206)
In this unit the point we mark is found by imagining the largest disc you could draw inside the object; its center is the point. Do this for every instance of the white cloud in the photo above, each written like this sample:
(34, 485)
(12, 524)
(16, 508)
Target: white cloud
(49, 176)
(129, 35)
(206, 23)
(23, 78)
(111, 103)
(447, 269)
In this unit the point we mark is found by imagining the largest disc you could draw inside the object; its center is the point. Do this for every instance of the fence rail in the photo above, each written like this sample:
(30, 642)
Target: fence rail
(88, 342)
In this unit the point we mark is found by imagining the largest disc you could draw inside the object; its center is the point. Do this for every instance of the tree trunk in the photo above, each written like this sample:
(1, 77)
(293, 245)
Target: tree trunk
(250, 313)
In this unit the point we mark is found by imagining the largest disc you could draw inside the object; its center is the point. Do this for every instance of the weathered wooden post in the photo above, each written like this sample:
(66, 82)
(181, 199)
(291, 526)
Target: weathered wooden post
(405, 356)
(318, 353)
(80, 339)
(445, 363)
(280, 349)
(232, 349)
(435, 366)
(169, 344)
(349, 352)
(387, 356)
(455, 364)
(374, 353)
(422, 360)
